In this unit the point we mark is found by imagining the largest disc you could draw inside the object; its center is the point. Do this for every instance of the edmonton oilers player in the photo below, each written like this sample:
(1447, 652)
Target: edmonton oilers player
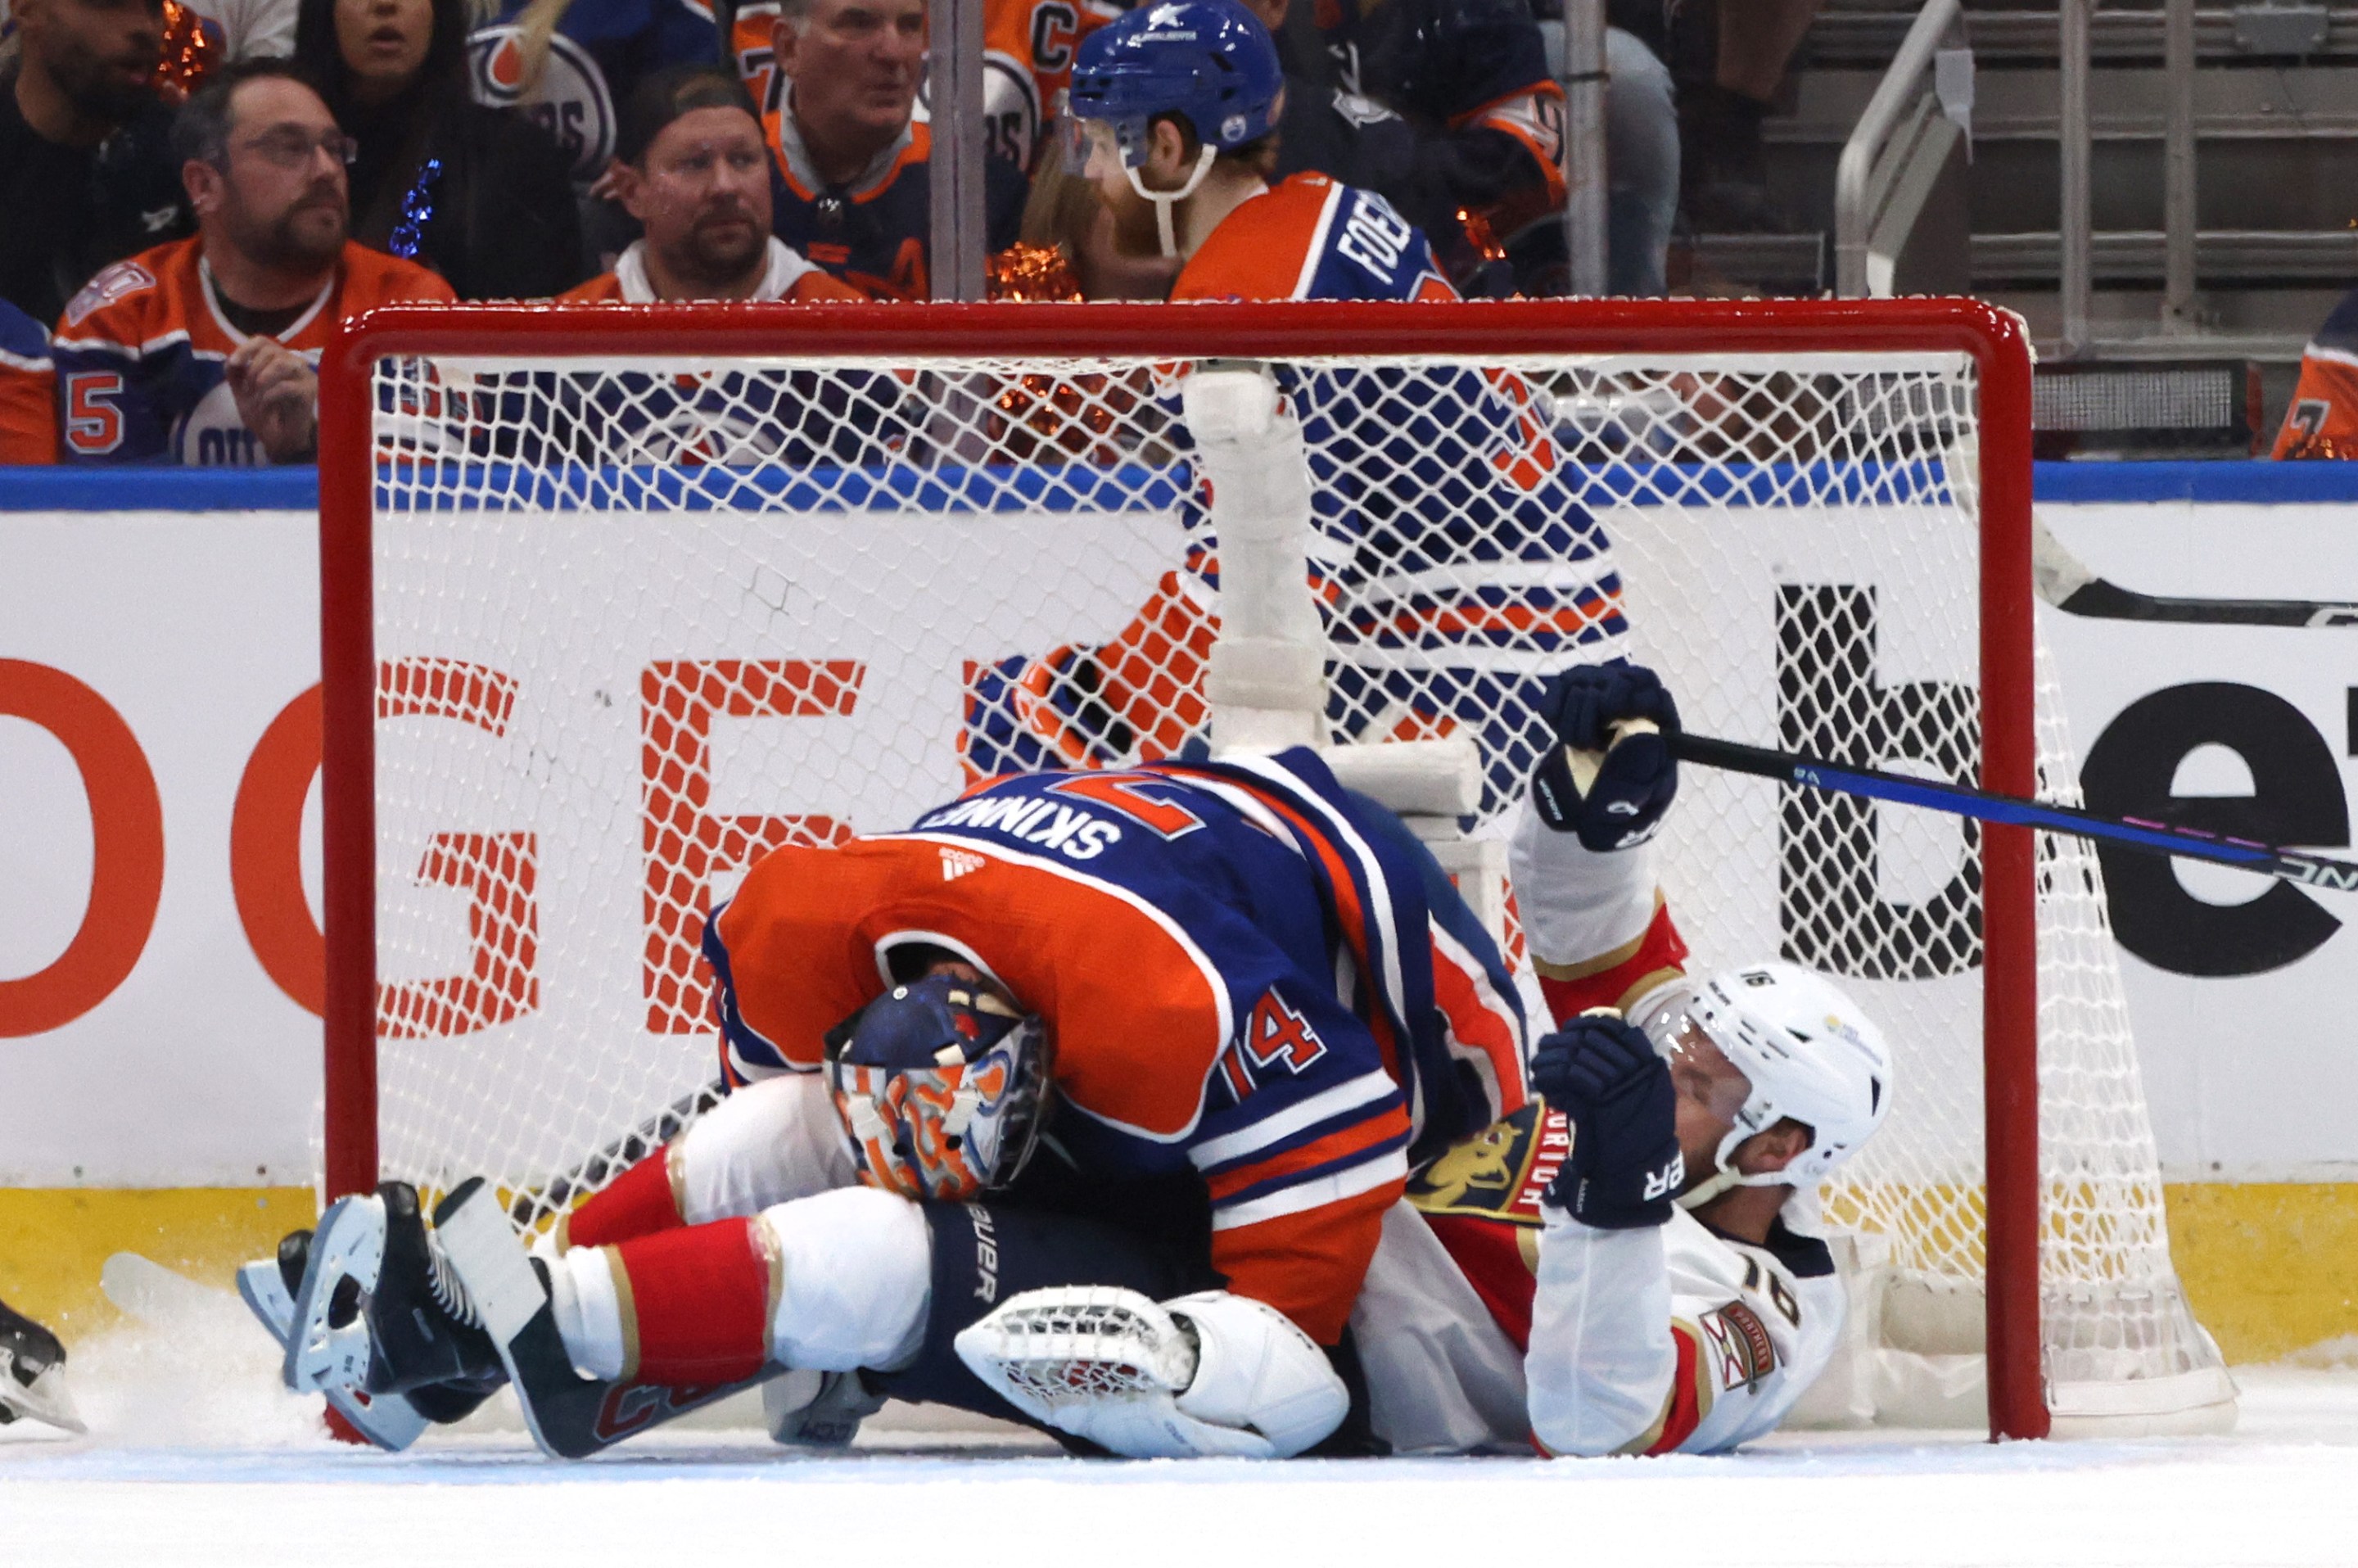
(1206, 1019)
(1455, 555)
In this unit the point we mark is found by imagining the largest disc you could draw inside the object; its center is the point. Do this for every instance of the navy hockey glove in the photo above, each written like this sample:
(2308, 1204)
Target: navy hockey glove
(1622, 805)
(1625, 1165)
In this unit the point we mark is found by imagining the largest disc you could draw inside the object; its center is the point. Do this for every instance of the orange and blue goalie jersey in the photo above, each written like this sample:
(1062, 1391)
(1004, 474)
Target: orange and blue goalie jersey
(141, 352)
(1250, 979)
(2322, 421)
(1455, 559)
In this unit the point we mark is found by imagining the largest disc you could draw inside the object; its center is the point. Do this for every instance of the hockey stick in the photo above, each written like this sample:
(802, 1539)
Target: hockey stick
(592, 1170)
(2130, 832)
(2067, 582)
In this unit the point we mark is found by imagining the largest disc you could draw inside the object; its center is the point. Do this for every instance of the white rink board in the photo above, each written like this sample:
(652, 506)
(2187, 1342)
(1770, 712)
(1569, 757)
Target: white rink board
(198, 628)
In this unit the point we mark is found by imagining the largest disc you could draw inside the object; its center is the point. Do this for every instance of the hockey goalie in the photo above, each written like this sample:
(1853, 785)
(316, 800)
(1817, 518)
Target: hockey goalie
(995, 1174)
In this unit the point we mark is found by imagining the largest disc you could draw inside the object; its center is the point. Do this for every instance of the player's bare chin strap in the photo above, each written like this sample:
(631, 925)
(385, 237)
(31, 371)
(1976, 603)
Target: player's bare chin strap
(1164, 229)
(1723, 1180)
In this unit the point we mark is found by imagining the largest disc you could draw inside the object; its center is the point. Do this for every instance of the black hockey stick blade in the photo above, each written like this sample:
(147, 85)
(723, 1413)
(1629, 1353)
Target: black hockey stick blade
(2067, 583)
(2128, 832)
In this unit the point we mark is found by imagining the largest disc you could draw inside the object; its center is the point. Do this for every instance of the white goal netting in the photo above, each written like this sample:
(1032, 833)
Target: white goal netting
(639, 619)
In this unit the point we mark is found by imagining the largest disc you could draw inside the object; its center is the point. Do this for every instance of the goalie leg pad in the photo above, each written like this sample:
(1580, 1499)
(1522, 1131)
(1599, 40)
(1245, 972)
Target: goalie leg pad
(983, 1254)
(1210, 1374)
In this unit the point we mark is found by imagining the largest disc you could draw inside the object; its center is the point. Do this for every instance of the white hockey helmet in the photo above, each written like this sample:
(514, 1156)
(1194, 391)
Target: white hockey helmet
(1806, 1049)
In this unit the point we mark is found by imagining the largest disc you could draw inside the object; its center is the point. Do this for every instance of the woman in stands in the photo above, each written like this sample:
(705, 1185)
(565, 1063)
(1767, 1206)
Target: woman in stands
(482, 196)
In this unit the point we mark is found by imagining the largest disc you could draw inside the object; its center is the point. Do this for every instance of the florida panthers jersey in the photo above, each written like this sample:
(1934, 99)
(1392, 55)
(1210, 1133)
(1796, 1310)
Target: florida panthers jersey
(2323, 419)
(1245, 975)
(28, 391)
(1491, 1321)
(1455, 559)
(140, 352)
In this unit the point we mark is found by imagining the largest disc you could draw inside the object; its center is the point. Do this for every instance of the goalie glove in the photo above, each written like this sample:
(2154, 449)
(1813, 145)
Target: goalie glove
(1625, 1167)
(1612, 776)
(1204, 1375)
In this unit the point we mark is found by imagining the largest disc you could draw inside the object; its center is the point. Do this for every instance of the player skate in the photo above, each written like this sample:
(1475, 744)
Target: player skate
(32, 1374)
(390, 1420)
(371, 1316)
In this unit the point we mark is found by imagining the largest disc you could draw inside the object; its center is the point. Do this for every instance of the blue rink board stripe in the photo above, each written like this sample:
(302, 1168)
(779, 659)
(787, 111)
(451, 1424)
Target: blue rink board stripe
(1133, 487)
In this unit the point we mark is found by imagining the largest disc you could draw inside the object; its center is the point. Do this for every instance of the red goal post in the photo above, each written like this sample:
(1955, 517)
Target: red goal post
(1991, 338)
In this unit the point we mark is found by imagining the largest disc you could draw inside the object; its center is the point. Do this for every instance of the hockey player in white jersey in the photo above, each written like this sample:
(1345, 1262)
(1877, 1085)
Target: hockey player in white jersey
(1632, 1263)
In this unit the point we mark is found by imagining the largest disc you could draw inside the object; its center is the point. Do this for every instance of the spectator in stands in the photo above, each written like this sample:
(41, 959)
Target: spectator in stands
(1729, 59)
(690, 165)
(481, 195)
(205, 351)
(857, 195)
(1448, 108)
(28, 391)
(249, 30)
(2322, 421)
(86, 174)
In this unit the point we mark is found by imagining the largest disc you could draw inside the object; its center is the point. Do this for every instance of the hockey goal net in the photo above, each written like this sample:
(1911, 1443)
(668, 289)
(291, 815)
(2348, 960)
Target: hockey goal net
(613, 600)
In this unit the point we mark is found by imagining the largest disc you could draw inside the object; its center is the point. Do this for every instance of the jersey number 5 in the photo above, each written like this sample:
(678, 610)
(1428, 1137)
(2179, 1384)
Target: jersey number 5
(93, 423)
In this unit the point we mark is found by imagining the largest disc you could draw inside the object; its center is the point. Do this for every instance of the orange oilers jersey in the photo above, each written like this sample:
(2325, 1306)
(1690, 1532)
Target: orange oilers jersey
(1246, 976)
(1310, 238)
(140, 352)
(2322, 421)
(28, 391)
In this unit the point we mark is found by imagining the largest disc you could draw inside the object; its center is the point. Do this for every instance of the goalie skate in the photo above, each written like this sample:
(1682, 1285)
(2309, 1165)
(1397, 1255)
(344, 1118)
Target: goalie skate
(569, 1416)
(32, 1375)
(267, 1286)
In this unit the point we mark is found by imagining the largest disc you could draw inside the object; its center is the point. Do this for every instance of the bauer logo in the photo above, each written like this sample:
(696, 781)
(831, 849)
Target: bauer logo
(985, 1254)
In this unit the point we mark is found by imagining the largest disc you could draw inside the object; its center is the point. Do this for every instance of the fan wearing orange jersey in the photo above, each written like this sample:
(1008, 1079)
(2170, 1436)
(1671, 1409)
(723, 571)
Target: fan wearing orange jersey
(206, 350)
(2322, 421)
(28, 391)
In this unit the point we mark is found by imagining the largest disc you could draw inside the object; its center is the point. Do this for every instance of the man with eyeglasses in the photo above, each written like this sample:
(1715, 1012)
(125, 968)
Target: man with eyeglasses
(204, 350)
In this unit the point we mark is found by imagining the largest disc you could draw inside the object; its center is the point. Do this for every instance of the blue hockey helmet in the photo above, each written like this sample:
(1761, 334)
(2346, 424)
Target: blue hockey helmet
(941, 1084)
(1209, 61)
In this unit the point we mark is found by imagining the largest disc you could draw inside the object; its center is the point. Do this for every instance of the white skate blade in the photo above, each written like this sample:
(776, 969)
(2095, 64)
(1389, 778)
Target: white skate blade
(44, 1400)
(149, 1292)
(349, 1245)
(264, 1291)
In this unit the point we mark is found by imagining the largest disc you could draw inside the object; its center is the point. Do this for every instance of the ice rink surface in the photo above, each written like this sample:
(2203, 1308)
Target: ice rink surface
(197, 1457)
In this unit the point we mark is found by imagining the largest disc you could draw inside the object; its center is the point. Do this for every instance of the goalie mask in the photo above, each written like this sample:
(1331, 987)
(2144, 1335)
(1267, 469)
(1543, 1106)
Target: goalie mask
(940, 1085)
(1805, 1048)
